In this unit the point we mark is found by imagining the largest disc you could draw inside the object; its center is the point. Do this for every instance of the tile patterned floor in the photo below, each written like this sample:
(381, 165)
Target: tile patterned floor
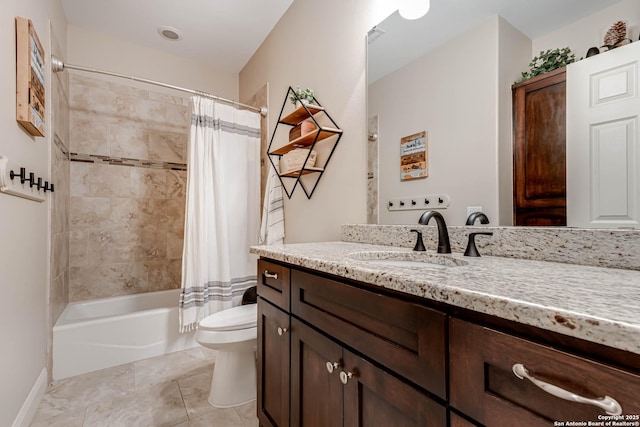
(166, 391)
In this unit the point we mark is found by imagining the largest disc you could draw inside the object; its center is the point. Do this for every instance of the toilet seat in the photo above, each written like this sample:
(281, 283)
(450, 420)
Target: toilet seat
(232, 319)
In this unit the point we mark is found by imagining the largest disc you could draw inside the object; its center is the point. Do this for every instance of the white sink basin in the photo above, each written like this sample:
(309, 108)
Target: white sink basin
(407, 259)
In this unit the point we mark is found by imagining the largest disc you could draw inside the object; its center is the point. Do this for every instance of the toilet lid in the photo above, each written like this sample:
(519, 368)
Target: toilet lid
(232, 319)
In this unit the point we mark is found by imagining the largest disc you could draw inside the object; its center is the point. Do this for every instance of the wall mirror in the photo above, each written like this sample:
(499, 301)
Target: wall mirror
(450, 74)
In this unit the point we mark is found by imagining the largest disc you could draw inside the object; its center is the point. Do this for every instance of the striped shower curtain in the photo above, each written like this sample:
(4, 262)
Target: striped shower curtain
(222, 212)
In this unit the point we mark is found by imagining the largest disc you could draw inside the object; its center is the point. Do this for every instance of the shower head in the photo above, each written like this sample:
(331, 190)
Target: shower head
(56, 64)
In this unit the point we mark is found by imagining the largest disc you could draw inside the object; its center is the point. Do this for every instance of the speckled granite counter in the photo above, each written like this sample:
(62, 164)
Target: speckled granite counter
(597, 304)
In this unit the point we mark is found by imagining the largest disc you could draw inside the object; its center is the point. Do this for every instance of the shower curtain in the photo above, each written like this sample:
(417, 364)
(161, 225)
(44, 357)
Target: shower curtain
(222, 212)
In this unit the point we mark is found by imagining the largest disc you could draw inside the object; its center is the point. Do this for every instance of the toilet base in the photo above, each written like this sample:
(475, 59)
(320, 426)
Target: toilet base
(233, 382)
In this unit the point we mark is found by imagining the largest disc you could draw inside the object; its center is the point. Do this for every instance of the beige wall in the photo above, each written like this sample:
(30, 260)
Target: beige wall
(96, 50)
(126, 222)
(322, 45)
(451, 94)
(590, 31)
(24, 254)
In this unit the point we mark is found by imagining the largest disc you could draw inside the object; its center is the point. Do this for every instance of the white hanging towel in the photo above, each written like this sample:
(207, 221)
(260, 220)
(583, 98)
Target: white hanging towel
(272, 225)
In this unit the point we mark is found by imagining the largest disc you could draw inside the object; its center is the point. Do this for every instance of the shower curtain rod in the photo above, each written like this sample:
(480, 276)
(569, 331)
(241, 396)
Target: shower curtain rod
(58, 65)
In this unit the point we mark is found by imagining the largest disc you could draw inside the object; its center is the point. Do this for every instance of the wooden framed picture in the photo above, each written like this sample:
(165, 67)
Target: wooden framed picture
(414, 156)
(30, 76)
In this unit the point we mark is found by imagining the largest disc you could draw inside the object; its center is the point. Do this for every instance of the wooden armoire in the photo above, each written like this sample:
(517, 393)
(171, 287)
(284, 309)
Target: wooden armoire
(539, 151)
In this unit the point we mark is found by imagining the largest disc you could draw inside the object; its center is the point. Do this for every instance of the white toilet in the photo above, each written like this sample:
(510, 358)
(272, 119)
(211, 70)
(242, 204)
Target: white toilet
(233, 332)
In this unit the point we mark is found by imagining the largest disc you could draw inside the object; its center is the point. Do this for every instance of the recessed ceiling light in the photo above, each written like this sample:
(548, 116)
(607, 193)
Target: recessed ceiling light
(169, 33)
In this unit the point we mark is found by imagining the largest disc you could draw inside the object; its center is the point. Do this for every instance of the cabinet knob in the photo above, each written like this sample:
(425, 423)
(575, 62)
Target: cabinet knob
(282, 331)
(345, 377)
(331, 366)
(270, 275)
(608, 404)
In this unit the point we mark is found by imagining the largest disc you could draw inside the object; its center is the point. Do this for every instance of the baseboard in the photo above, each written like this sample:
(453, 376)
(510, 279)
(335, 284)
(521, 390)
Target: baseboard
(30, 405)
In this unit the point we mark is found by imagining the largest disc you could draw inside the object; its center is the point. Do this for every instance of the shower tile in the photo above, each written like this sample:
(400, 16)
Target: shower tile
(128, 141)
(154, 406)
(113, 246)
(173, 211)
(167, 146)
(127, 90)
(107, 280)
(195, 392)
(89, 212)
(79, 185)
(178, 116)
(88, 133)
(164, 275)
(170, 99)
(71, 394)
(149, 183)
(93, 99)
(78, 248)
(148, 111)
(176, 184)
(109, 181)
(131, 214)
(175, 243)
(171, 367)
(60, 253)
(76, 79)
(153, 245)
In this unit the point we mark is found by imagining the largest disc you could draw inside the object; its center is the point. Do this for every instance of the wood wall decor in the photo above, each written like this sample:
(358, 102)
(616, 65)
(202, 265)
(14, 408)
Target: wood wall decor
(30, 78)
(414, 157)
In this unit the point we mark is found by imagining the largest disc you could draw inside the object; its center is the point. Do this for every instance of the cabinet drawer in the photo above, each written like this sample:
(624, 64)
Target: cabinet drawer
(483, 384)
(406, 338)
(273, 283)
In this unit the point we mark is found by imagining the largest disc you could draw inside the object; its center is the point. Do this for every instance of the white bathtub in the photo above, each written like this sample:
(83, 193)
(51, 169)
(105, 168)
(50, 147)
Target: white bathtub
(98, 334)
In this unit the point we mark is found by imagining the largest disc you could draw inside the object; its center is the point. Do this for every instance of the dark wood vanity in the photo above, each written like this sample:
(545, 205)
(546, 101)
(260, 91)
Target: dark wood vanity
(337, 352)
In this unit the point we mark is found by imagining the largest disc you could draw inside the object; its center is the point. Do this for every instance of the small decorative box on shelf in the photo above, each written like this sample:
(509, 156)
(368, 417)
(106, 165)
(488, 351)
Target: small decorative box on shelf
(311, 142)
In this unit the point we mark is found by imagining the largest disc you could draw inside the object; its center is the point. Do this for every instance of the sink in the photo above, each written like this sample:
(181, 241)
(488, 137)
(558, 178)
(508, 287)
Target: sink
(407, 259)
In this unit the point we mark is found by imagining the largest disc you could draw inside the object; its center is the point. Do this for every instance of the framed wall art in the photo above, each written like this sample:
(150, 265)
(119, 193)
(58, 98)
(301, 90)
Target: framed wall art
(414, 156)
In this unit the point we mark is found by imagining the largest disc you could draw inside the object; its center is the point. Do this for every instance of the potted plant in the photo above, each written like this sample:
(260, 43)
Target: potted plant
(548, 60)
(303, 95)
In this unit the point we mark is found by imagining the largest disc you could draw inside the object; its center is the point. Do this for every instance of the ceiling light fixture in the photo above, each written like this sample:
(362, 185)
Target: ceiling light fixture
(414, 9)
(169, 33)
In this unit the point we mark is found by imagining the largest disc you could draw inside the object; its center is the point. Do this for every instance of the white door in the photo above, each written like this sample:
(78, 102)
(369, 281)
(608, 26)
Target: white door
(603, 145)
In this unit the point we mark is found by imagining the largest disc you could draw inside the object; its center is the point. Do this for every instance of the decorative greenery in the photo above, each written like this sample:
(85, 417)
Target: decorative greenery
(548, 60)
(301, 95)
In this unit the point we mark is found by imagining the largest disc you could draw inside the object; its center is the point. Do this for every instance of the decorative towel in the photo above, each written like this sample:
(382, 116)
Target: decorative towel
(272, 225)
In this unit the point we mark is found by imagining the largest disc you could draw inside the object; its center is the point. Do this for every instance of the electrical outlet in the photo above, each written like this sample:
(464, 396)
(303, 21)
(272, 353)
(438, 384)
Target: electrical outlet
(472, 209)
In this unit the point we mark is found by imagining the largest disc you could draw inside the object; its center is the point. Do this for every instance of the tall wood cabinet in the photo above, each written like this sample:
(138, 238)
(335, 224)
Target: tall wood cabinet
(539, 151)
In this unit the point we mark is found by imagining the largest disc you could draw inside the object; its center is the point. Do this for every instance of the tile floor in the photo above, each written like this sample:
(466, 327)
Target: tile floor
(167, 391)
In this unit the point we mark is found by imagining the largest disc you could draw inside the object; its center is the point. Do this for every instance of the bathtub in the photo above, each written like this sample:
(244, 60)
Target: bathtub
(97, 334)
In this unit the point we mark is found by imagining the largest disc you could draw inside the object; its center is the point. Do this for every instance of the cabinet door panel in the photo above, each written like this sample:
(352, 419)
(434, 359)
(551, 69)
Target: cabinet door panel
(406, 338)
(316, 394)
(375, 398)
(273, 365)
(484, 386)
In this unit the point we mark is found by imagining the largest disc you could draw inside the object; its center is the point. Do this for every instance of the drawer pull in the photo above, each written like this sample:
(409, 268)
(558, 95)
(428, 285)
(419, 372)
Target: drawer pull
(608, 404)
(345, 377)
(331, 366)
(269, 275)
(282, 331)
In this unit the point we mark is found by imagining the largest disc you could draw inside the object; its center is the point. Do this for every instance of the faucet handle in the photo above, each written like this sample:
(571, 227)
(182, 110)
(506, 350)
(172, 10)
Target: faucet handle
(419, 243)
(471, 245)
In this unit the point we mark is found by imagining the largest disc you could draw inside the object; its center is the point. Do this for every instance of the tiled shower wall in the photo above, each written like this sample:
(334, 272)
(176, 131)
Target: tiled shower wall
(128, 178)
(59, 278)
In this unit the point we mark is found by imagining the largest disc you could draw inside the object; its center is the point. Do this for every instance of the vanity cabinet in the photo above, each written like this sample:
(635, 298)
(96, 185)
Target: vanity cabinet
(484, 385)
(335, 352)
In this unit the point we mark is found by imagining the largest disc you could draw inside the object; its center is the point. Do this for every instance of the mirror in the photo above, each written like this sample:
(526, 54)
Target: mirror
(450, 74)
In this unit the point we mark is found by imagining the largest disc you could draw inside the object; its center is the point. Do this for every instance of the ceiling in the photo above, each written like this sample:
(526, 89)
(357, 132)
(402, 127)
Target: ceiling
(449, 18)
(222, 33)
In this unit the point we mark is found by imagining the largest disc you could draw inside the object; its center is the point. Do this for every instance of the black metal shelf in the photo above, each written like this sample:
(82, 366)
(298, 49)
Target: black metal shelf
(311, 111)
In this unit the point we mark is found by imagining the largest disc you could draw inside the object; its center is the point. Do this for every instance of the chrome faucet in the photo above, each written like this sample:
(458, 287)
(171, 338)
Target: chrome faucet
(477, 215)
(444, 246)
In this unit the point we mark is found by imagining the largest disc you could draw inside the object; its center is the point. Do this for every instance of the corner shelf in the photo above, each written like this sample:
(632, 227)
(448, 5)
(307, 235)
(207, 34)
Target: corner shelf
(313, 111)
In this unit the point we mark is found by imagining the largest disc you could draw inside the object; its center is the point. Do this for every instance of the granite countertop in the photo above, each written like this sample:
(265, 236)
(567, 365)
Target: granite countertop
(600, 305)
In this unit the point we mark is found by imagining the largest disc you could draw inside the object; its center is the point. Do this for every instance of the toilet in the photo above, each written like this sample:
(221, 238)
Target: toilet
(233, 333)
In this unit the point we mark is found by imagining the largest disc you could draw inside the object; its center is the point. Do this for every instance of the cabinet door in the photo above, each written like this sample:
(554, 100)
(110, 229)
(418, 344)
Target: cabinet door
(539, 123)
(484, 385)
(273, 365)
(375, 398)
(316, 393)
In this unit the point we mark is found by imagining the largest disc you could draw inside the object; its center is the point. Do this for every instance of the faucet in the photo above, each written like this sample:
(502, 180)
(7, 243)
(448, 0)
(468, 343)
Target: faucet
(477, 215)
(444, 246)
